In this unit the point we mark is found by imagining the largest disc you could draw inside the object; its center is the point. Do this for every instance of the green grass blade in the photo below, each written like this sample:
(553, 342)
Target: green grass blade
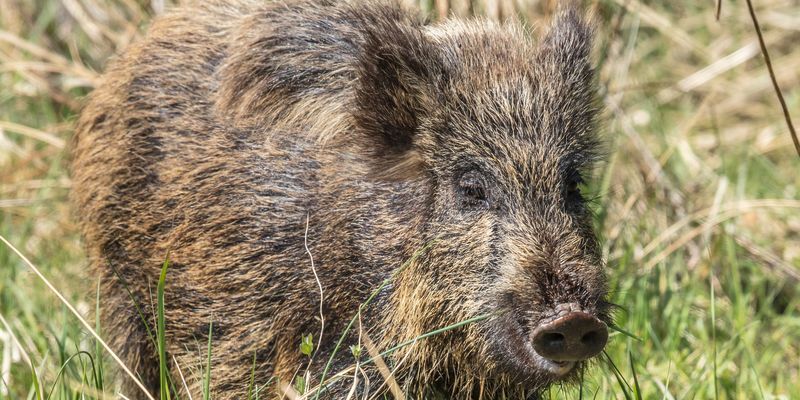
(363, 306)
(98, 349)
(64, 366)
(418, 338)
(429, 334)
(624, 332)
(252, 379)
(135, 305)
(160, 334)
(207, 377)
(37, 390)
(713, 332)
(623, 384)
(140, 313)
(636, 390)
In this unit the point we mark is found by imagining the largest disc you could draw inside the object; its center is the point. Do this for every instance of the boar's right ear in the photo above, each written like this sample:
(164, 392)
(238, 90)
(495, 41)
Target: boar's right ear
(397, 71)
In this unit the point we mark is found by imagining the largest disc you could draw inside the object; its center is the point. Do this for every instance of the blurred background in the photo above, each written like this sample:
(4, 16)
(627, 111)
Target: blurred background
(698, 203)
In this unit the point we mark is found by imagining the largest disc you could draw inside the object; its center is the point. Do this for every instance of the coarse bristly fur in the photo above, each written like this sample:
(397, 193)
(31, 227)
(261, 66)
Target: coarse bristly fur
(233, 123)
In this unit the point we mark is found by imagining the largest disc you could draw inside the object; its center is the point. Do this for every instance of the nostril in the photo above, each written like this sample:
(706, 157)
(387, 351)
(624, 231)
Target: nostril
(553, 339)
(590, 338)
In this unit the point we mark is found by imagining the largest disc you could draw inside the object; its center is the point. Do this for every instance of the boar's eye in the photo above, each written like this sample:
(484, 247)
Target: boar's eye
(573, 190)
(472, 190)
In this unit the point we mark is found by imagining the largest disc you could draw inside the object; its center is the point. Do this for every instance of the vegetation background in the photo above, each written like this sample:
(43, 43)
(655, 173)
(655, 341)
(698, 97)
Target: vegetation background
(699, 203)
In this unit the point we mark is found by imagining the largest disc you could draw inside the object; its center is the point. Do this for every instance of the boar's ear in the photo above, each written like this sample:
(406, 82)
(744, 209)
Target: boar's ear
(565, 52)
(564, 68)
(566, 83)
(397, 72)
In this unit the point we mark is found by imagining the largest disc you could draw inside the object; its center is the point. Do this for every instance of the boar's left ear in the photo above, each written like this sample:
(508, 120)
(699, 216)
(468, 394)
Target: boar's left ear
(564, 56)
(566, 76)
(565, 52)
(397, 72)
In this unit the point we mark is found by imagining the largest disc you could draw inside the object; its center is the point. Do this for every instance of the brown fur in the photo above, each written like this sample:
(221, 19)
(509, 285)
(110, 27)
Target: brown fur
(231, 124)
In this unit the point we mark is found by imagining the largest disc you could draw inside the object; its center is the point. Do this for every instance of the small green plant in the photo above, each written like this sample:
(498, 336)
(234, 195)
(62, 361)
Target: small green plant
(307, 345)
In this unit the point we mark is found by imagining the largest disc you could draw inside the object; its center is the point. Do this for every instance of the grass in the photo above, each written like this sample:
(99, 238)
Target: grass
(698, 205)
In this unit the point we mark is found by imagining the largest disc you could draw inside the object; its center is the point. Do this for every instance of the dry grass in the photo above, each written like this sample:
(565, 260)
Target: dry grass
(699, 203)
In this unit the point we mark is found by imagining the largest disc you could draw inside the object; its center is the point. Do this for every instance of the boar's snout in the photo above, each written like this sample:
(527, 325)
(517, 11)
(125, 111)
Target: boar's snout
(571, 336)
